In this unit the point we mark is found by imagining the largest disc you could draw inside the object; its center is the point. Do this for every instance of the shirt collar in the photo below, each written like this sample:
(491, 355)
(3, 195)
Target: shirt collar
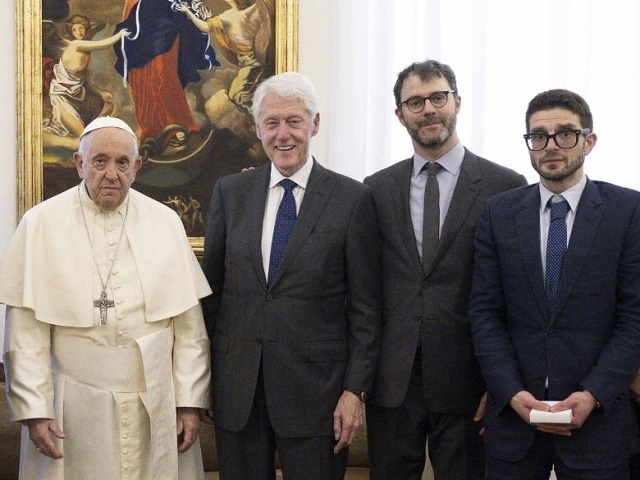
(450, 161)
(571, 195)
(301, 177)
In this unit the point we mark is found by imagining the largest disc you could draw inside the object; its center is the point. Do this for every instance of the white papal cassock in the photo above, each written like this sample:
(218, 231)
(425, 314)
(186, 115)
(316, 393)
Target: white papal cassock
(113, 389)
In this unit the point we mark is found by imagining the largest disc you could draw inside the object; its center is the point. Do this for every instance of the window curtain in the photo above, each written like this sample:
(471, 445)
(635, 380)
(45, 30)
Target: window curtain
(503, 53)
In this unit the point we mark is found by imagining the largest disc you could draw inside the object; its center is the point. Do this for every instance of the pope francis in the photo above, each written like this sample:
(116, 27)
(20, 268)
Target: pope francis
(106, 355)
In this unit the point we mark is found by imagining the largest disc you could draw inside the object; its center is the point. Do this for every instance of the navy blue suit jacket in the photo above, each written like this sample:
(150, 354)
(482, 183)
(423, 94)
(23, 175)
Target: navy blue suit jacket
(593, 340)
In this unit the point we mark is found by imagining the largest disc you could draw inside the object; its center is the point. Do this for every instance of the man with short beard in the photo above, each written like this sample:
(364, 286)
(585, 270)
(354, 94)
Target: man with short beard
(428, 383)
(555, 309)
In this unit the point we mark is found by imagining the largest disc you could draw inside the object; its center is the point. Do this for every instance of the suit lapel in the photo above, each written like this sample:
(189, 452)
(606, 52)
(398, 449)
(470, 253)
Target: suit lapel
(318, 192)
(399, 194)
(257, 199)
(464, 196)
(584, 230)
(528, 231)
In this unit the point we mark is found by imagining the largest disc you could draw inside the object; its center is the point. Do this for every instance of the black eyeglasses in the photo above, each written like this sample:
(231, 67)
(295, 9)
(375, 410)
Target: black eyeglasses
(564, 139)
(437, 99)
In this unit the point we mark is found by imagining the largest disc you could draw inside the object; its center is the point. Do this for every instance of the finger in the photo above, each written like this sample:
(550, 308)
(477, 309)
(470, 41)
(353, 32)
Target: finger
(482, 409)
(343, 442)
(564, 432)
(55, 429)
(186, 444)
(49, 449)
(337, 427)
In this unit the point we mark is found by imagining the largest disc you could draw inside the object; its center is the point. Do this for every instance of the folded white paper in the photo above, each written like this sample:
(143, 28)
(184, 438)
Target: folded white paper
(538, 416)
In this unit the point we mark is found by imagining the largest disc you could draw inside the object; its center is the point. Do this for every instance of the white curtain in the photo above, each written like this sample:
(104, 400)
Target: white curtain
(503, 52)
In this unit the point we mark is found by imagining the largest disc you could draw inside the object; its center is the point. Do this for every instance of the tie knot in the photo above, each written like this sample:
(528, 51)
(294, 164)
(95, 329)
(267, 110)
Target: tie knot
(558, 207)
(432, 168)
(288, 184)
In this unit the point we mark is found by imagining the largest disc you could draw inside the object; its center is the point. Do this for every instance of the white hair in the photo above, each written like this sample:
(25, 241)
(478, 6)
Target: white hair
(290, 85)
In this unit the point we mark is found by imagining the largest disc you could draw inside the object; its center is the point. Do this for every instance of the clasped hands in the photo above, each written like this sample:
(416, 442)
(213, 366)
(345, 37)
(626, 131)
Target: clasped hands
(580, 403)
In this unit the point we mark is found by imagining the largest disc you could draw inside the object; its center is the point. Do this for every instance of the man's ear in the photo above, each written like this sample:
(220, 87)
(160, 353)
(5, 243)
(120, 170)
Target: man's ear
(590, 142)
(77, 159)
(316, 124)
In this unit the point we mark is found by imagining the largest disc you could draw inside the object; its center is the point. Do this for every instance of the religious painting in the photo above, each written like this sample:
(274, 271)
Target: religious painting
(181, 73)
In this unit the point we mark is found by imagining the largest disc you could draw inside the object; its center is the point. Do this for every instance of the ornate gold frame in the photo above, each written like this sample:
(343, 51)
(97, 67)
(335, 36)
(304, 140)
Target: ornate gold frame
(29, 92)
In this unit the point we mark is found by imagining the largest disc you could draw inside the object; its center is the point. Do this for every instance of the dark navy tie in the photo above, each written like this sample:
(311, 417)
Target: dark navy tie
(285, 220)
(556, 248)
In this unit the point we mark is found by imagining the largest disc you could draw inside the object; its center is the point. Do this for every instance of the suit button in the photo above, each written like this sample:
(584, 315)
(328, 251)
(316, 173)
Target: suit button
(551, 333)
(269, 298)
(417, 316)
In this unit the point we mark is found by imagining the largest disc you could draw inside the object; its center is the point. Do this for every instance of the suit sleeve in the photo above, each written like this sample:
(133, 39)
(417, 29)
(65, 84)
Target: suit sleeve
(487, 317)
(618, 363)
(363, 257)
(214, 256)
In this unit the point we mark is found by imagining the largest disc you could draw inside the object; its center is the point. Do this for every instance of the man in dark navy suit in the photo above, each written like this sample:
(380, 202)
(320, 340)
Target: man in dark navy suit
(555, 308)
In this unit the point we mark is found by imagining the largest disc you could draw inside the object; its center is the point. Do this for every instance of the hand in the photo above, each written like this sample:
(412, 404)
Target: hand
(580, 403)
(125, 32)
(481, 412)
(635, 389)
(40, 430)
(523, 402)
(188, 426)
(348, 419)
(206, 416)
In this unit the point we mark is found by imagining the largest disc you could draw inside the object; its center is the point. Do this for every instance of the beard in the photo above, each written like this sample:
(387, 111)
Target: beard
(428, 141)
(571, 166)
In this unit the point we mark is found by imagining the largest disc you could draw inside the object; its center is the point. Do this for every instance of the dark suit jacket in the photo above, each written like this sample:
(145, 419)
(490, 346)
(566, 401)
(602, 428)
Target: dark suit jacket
(315, 330)
(592, 342)
(431, 307)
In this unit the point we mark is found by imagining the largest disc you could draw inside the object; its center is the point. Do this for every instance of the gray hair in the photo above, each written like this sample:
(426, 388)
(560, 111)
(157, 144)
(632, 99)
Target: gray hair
(292, 86)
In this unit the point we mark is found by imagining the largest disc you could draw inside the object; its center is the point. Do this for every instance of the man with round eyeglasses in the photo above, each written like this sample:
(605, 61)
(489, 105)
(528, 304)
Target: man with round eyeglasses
(555, 309)
(428, 384)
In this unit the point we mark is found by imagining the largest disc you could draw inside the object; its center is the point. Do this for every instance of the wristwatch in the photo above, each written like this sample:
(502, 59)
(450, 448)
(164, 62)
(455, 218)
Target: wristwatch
(363, 396)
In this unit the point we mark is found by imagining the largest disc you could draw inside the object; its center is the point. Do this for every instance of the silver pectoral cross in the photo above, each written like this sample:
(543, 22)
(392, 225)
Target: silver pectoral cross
(103, 304)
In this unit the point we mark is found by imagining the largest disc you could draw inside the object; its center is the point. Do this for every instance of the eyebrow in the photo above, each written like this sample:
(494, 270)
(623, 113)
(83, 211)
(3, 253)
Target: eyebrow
(561, 127)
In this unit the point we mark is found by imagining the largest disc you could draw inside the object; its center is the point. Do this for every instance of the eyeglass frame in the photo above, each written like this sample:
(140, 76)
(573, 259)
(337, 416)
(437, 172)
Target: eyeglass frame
(424, 100)
(549, 136)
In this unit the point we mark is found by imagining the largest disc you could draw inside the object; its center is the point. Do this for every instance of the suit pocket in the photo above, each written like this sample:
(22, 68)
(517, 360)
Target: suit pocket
(327, 352)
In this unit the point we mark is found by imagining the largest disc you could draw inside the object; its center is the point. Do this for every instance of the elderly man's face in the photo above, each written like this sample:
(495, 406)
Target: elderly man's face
(285, 128)
(108, 161)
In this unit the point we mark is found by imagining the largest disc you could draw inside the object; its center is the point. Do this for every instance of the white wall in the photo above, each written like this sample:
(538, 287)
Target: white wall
(8, 183)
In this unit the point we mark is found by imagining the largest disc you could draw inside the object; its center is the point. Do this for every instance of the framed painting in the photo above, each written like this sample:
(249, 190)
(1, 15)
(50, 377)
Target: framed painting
(181, 73)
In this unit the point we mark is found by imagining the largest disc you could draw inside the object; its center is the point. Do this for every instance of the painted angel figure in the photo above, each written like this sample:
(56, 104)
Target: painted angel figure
(242, 35)
(73, 103)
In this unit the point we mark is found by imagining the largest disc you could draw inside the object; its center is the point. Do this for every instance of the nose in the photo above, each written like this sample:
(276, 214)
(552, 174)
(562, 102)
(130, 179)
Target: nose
(282, 131)
(111, 171)
(552, 144)
(428, 108)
